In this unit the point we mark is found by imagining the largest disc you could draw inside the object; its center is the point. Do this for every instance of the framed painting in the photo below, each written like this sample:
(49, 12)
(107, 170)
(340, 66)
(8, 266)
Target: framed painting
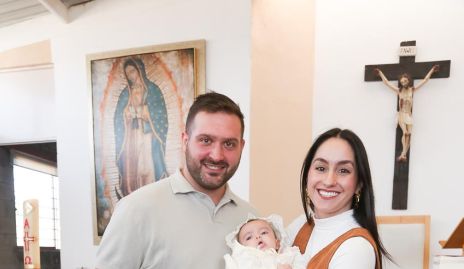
(140, 100)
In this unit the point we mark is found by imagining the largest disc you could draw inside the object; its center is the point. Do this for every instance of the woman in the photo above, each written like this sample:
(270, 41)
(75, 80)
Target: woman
(405, 97)
(140, 126)
(339, 229)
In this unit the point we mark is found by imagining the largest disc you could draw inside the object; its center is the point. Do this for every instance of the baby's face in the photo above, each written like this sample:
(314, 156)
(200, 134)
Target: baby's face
(258, 234)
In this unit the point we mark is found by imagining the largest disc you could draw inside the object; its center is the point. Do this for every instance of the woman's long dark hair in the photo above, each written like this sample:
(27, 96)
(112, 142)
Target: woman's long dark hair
(364, 212)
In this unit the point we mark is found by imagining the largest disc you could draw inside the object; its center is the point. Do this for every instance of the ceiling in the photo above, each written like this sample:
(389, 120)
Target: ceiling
(43, 151)
(15, 11)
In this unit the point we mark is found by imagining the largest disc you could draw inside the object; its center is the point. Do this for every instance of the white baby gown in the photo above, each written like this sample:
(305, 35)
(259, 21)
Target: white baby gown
(244, 257)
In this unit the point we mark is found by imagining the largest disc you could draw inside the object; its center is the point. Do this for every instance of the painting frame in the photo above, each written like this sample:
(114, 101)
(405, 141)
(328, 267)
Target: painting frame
(139, 100)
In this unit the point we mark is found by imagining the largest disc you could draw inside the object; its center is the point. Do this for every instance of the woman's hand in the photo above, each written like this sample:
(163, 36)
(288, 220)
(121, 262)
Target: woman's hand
(145, 113)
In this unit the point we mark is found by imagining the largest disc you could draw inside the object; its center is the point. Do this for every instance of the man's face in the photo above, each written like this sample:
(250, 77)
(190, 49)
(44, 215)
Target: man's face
(404, 81)
(212, 150)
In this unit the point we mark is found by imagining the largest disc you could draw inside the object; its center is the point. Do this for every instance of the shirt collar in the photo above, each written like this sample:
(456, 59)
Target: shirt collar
(228, 196)
(179, 185)
(335, 221)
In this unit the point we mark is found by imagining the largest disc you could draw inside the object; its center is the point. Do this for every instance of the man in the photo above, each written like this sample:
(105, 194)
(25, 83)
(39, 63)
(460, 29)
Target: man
(181, 221)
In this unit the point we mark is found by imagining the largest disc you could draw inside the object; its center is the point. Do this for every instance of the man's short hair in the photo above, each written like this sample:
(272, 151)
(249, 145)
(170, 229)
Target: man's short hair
(213, 102)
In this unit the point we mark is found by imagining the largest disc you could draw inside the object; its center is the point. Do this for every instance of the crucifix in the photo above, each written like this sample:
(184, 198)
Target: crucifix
(405, 72)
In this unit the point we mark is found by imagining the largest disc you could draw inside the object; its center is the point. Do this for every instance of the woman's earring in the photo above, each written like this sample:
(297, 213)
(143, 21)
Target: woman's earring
(310, 204)
(357, 197)
(308, 200)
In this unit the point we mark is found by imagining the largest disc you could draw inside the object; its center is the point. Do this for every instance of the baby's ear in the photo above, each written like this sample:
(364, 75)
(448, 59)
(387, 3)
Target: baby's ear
(277, 245)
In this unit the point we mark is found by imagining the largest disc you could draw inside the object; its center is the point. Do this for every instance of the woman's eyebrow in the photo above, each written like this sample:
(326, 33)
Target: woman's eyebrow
(346, 162)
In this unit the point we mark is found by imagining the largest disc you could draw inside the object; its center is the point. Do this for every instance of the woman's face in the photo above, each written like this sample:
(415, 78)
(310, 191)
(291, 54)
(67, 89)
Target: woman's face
(132, 73)
(332, 178)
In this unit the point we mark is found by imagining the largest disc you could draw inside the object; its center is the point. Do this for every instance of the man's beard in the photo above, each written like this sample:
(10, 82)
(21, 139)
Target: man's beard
(194, 167)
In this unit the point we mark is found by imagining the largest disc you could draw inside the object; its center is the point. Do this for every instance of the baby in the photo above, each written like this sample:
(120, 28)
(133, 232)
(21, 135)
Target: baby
(259, 243)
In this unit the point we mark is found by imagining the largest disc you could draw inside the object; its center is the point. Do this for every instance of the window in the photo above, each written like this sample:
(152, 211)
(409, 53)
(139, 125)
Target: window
(32, 184)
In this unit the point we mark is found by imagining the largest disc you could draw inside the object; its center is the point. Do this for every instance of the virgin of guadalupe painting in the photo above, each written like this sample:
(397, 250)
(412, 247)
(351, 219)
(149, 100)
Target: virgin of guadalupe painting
(139, 105)
(140, 128)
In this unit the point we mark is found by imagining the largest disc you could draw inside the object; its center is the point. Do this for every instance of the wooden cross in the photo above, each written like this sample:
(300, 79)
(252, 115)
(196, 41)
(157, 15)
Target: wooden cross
(407, 65)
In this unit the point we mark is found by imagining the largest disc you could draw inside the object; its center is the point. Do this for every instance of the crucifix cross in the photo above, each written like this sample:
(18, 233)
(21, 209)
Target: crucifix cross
(421, 70)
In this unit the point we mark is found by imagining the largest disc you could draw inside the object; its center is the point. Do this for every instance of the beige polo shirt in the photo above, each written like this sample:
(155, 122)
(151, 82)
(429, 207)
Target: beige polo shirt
(169, 225)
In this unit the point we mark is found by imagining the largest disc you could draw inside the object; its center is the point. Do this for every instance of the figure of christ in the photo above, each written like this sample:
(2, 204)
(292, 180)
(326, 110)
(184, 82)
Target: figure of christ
(405, 92)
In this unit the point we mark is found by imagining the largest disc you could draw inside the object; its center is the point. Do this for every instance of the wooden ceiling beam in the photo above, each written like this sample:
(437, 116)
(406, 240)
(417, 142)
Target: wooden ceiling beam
(58, 8)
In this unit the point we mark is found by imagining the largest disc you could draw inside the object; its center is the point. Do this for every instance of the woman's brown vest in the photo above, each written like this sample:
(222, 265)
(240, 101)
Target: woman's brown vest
(322, 259)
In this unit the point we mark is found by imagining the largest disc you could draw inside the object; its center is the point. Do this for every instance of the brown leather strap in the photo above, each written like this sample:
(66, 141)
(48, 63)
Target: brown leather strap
(322, 258)
(302, 238)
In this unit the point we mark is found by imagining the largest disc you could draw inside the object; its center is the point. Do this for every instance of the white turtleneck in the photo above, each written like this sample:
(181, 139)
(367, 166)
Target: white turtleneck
(354, 253)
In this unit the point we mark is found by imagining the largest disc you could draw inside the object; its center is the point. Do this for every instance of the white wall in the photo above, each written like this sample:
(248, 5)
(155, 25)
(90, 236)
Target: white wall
(352, 34)
(107, 25)
(27, 106)
(349, 35)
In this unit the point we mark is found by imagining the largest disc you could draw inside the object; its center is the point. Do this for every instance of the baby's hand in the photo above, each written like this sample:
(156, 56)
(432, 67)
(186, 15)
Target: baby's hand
(284, 266)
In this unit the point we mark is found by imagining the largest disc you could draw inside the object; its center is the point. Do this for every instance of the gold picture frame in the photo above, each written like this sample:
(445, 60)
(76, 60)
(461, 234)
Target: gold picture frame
(139, 103)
